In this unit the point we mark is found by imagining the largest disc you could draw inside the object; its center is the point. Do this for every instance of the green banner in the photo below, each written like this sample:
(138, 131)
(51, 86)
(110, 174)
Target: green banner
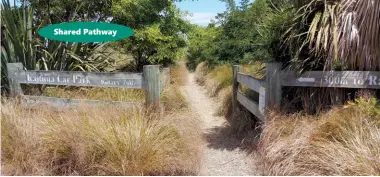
(85, 32)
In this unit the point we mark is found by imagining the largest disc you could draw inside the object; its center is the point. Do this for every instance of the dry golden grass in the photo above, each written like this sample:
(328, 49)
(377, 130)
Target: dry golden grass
(214, 79)
(98, 141)
(179, 74)
(172, 96)
(257, 69)
(343, 141)
(219, 78)
(103, 140)
(201, 72)
(225, 106)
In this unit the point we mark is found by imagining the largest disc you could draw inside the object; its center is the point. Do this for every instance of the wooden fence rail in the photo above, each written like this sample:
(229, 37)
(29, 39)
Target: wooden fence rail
(269, 90)
(254, 84)
(152, 80)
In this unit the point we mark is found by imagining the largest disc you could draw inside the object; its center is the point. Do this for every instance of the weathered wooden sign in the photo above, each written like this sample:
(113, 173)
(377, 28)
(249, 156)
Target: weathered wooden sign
(151, 80)
(120, 80)
(340, 79)
(270, 89)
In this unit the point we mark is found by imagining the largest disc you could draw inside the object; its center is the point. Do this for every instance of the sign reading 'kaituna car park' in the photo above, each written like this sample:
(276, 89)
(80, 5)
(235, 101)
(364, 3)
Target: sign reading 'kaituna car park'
(120, 80)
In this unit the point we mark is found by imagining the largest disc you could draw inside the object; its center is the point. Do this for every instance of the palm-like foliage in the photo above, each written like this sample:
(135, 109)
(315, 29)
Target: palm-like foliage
(340, 34)
(20, 43)
(330, 35)
(359, 34)
(17, 44)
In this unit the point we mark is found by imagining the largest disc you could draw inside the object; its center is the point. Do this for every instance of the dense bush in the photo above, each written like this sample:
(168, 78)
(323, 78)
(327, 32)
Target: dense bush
(242, 35)
(303, 35)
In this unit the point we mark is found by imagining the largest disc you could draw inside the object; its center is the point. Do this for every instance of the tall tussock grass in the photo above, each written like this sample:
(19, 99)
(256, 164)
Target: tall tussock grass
(214, 79)
(172, 96)
(201, 72)
(179, 74)
(98, 141)
(106, 140)
(343, 141)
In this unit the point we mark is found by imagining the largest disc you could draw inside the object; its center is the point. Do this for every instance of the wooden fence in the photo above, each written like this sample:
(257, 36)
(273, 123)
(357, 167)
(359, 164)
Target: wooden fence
(270, 88)
(152, 80)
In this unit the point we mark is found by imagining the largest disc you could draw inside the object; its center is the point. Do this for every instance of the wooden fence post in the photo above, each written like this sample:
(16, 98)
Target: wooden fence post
(235, 88)
(14, 86)
(152, 75)
(273, 85)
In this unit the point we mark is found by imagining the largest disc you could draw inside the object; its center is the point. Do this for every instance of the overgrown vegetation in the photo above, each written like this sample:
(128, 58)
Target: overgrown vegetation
(343, 141)
(97, 141)
(103, 140)
(303, 35)
(243, 34)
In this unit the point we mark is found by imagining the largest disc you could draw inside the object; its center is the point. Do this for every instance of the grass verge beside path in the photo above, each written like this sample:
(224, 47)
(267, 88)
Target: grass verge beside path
(103, 140)
(344, 141)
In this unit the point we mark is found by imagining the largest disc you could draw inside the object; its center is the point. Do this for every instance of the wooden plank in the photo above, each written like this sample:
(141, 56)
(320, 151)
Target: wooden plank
(273, 85)
(252, 106)
(152, 84)
(339, 79)
(76, 78)
(250, 82)
(62, 103)
(14, 85)
(235, 88)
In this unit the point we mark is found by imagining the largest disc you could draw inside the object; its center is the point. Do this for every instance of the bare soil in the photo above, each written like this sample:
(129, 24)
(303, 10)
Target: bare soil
(223, 154)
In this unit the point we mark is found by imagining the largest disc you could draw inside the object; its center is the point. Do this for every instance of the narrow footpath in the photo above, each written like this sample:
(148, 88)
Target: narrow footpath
(222, 155)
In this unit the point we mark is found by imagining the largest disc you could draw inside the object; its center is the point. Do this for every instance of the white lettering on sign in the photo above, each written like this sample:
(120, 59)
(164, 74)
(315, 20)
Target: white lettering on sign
(81, 80)
(129, 82)
(109, 82)
(63, 79)
(335, 80)
(358, 81)
(46, 79)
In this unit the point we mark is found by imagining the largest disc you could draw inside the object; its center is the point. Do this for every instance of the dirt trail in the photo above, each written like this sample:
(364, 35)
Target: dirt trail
(222, 155)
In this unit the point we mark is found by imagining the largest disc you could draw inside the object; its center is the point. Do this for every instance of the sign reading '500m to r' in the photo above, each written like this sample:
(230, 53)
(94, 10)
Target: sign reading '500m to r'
(85, 32)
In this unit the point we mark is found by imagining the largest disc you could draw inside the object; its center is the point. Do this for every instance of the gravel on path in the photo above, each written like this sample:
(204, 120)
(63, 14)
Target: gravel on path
(222, 155)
